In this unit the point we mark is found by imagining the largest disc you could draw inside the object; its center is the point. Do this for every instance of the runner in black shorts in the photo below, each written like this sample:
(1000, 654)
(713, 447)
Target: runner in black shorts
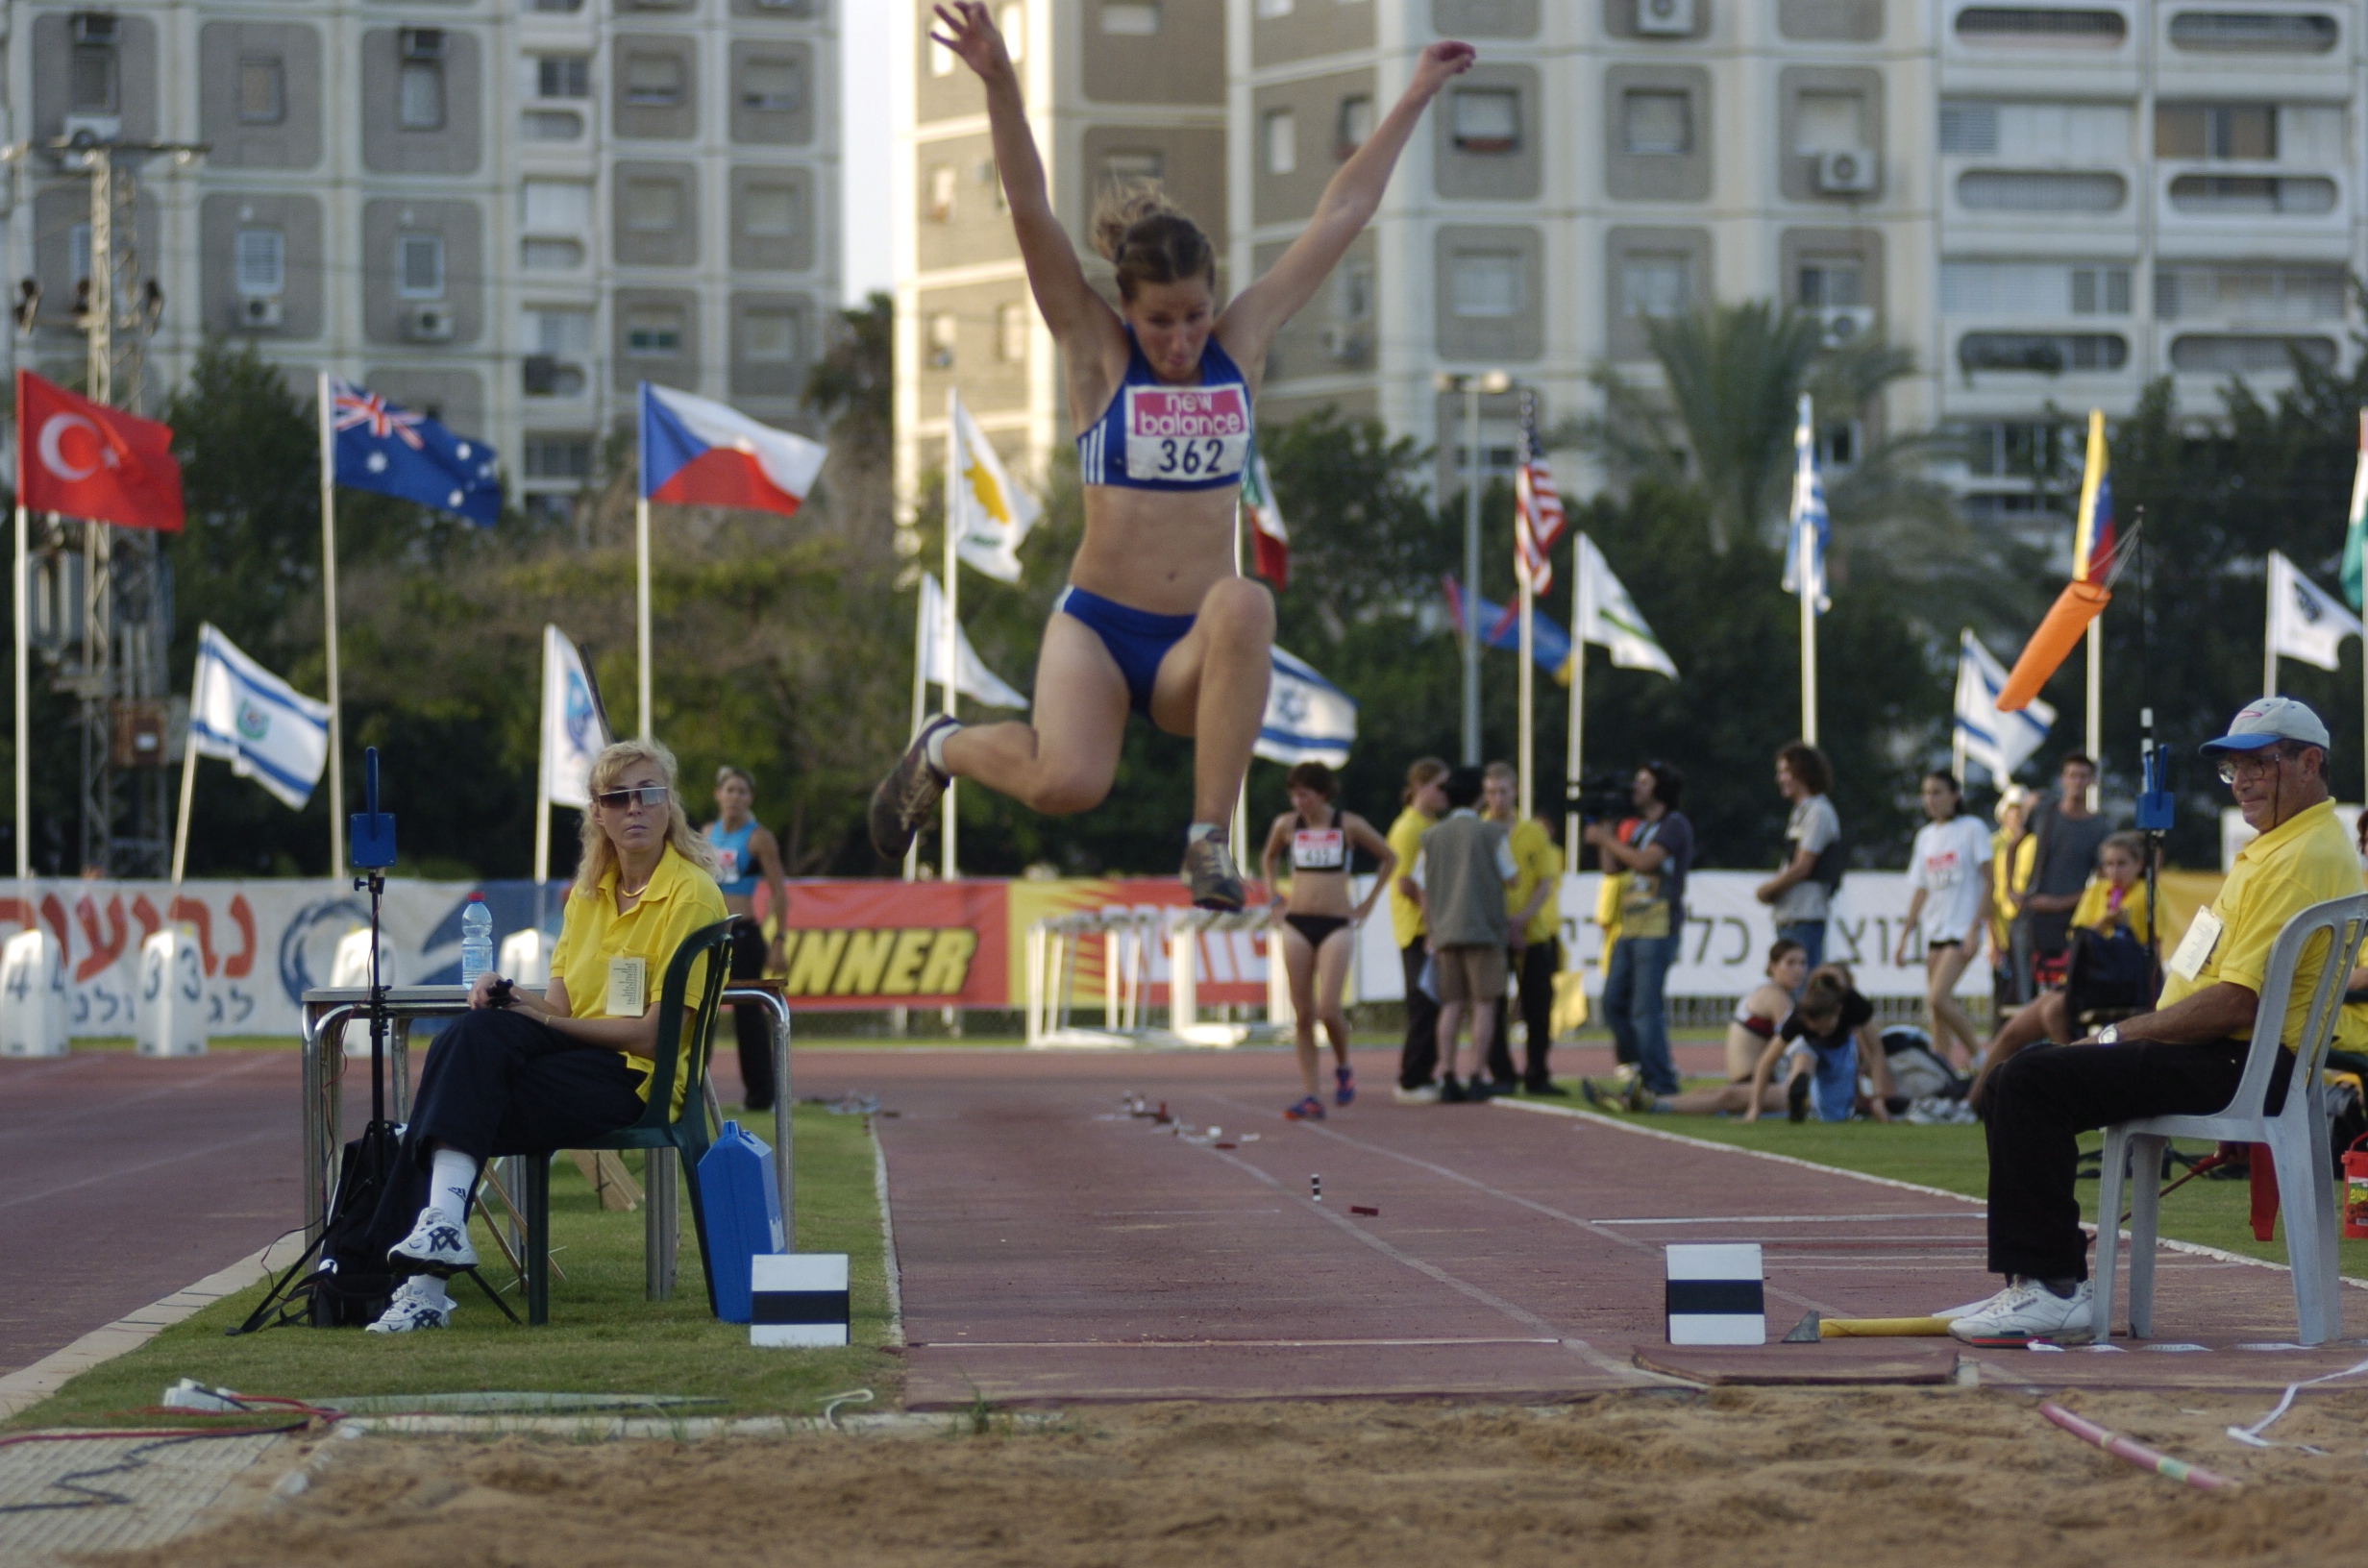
(1320, 927)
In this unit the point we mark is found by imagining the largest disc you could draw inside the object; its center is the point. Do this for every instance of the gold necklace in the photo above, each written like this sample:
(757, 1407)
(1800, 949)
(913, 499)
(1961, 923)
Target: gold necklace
(623, 892)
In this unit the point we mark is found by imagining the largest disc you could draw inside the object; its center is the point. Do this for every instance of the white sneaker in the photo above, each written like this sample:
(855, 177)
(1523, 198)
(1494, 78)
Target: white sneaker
(1426, 1095)
(438, 1245)
(2026, 1311)
(412, 1310)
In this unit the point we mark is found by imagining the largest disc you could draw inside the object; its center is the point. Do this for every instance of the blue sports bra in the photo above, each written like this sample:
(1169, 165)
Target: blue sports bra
(1154, 436)
(735, 868)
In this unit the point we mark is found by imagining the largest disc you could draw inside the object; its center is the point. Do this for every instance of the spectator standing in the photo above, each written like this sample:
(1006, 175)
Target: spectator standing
(2066, 836)
(1801, 893)
(2010, 872)
(1533, 923)
(1465, 868)
(1422, 804)
(1656, 857)
(1949, 868)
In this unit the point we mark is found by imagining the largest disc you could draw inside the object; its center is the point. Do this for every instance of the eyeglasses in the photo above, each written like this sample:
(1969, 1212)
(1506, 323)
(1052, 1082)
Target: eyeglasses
(2233, 768)
(651, 795)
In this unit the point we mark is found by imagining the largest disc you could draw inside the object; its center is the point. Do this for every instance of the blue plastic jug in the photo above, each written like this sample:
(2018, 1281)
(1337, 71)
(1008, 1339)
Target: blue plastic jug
(743, 1214)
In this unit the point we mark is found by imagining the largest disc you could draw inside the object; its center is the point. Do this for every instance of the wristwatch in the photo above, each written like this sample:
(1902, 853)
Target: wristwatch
(2110, 1034)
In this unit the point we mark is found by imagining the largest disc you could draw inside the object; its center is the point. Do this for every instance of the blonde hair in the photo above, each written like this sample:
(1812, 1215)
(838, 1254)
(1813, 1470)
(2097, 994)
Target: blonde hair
(599, 856)
(1149, 239)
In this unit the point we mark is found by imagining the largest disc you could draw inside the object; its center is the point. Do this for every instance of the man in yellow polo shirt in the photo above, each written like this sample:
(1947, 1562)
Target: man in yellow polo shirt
(1533, 921)
(2185, 1058)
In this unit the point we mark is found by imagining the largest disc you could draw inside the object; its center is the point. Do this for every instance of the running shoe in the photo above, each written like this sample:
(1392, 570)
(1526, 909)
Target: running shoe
(905, 797)
(1309, 1108)
(1796, 1098)
(1208, 871)
(1345, 1080)
(438, 1245)
(1598, 1099)
(411, 1311)
(2026, 1311)
(1420, 1094)
(1636, 1096)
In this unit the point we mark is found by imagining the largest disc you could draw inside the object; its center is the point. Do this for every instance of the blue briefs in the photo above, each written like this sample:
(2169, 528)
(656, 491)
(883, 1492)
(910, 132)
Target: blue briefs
(1137, 639)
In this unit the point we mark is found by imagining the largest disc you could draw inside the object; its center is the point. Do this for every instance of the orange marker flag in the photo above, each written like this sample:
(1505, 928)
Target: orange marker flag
(2080, 604)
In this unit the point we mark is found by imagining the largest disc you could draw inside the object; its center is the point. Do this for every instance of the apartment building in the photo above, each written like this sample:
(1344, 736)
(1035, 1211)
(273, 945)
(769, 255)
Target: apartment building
(1116, 90)
(507, 213)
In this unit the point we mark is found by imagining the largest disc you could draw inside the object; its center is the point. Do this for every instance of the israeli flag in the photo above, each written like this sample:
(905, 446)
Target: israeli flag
(575, 724)
(263, 728)
(2000, 741)
(1307, 719)
(1810, 530)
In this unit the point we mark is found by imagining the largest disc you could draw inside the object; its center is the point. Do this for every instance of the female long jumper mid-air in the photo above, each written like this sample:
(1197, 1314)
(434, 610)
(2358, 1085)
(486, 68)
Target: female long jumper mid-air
(1155, 617)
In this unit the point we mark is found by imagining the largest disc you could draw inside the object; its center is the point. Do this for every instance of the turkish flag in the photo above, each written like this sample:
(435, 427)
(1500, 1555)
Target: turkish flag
(86, 460)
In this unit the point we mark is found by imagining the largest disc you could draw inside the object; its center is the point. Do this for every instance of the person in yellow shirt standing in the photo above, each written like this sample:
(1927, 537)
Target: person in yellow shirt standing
(2186, 1057)
(1533, 918)
(1424, 803)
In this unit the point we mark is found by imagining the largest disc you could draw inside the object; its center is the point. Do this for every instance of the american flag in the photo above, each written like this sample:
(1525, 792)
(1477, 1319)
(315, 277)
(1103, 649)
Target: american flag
(355, 409)
(1538, 520)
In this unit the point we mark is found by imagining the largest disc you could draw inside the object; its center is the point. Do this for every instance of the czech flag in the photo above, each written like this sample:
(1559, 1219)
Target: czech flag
(695, 453)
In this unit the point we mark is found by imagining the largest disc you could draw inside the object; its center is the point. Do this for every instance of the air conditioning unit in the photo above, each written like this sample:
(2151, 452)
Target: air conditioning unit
(1846, 323)
(1847, 171)
(260, 314)
(420, 42)
(427, 322)
(1666, 19)
(1346, 345)
(95, 27)
(92, 130)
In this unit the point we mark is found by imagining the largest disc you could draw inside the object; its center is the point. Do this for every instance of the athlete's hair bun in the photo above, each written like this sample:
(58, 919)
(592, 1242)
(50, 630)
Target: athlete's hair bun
(1147, 237)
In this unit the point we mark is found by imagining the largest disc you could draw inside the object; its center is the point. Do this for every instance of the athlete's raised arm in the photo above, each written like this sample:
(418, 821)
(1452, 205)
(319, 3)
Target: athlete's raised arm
(1250, 323)
(1071, 308)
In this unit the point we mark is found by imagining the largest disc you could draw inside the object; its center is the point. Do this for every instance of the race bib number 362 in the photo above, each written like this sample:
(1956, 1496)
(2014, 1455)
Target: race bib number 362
(1187, 434)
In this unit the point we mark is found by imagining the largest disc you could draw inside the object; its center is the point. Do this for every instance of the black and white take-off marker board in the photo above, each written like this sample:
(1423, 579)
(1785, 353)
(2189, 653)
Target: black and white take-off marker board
(797, 1298)
(1716, 1294)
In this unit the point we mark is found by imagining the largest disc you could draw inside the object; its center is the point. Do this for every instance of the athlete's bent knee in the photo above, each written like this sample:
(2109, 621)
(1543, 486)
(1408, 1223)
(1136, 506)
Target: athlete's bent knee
(1067, 794)
(1240, 607)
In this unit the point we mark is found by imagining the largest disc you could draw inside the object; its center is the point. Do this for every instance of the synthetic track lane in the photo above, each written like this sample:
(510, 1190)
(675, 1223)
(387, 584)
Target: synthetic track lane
(1052, 1249)
(123, 1179)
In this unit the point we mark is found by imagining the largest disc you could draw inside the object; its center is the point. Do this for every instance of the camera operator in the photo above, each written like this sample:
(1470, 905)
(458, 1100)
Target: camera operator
(1652, 915)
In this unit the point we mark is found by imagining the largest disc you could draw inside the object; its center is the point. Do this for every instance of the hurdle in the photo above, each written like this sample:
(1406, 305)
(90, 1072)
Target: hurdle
(1129, 935)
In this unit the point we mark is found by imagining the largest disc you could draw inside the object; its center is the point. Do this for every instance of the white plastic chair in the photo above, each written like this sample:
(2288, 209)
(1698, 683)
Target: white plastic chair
(2296, 1136)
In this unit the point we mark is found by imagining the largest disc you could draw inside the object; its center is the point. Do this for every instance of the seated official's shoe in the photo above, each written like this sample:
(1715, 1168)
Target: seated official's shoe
(411, 1311)
(1451, 1092)
(2026, 1311)
(1420, 1094)
(903, 801)
(1209, 873)
(1309, 1108)
(438, 1245)
(1344, 1086)
(1796, 1098)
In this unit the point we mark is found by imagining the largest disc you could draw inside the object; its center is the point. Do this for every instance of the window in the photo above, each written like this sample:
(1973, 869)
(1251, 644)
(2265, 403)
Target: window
(2046, 353)
(2223, 130)
(554, 206)
(652, 207)
(558, 458)
(419, 95)
(1656, 123)
(559, 332)
(2100, 291)
(1139, 19)
(2005, 288)
(90, 79)
(1011, 333)
(1352, 291)
(1356, 123)
(2030, 26)
(772, 335)
(941, 193)
(262, 91)
(2251, 32)
(567, 8)
(1279, 139)
(1131, 167)
(1656, 283)
(773, 83)
(2017, 450)
(1968, 129)
(538, 255)
(653, 334)
(1838, 443)
(654, 80)
(2252, 293)
(562, 76)
(1487, 285)
(552, 124)
(1011, 21)
(1269, 9)
(941, 331)
(2017, 191)
(419, 266)
(1833, 283)
(261, 265)
(768, 212)
(1829, 122)
(2225, 195)
(2233, 355)
(940, 59)
(1487, 119)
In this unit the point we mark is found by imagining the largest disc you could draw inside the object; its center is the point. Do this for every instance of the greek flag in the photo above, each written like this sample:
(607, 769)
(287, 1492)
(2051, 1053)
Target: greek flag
(1307, 719)
(2000, 741)
(263, 728)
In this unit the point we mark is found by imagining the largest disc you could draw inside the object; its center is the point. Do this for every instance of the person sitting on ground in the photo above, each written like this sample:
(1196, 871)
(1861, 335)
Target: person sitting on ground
(522, 1072)
(2114, 901)
(1826, 1044)
(1748, 1032)
(1463, 869)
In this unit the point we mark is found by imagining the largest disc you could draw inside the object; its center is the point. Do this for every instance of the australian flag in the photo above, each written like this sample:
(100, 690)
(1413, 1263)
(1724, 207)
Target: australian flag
(397, 452)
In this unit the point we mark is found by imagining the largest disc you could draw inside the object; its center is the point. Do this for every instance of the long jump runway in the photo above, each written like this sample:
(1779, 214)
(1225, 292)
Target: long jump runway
(1055, 1247)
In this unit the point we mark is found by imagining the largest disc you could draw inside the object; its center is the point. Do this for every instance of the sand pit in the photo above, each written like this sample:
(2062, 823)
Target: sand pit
(1897, 1477)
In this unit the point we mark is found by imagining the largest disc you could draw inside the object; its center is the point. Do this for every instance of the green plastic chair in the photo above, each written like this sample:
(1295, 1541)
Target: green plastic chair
(685, 1035)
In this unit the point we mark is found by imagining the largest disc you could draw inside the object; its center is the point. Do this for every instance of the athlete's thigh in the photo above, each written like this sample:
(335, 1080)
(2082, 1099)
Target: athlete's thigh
(1332, 966)
(1080, 702)
(1176, 690)
(1299, 959)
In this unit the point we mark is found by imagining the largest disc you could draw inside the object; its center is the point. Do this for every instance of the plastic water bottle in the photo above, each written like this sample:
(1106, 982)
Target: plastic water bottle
(475, 940)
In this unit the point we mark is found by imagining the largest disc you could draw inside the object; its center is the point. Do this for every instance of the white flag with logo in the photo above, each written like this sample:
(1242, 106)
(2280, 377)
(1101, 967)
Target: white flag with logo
(575, 724)
(971, 676)
(2000, 741)
(988, 513)
(1610, 619)
(2304, 622)
(263, 728)
(1307, 719)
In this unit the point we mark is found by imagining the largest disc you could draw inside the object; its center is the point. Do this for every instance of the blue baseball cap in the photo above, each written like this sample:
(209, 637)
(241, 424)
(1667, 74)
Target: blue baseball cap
(2267, 721)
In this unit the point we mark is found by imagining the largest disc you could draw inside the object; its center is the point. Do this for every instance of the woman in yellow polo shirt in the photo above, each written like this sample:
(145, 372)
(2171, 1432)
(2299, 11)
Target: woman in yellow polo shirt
(524, 1072)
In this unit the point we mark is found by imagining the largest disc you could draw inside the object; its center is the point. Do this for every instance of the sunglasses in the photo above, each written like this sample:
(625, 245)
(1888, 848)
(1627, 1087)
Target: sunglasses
(651, 795)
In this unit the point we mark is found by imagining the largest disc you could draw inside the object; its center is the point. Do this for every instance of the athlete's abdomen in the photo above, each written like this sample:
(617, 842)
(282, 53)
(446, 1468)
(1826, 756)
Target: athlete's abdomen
(1155, 550)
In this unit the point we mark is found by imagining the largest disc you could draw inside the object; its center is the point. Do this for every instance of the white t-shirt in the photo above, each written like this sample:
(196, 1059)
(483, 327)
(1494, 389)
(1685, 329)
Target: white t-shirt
(1946, 863)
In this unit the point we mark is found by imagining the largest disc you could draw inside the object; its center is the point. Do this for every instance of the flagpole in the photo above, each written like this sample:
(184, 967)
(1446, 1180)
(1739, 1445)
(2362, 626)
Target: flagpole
(1529, 722)
(1805, 541)
(1578, 703)
(24, 726)
(946, 857)
(329, 607)
(189, 792)
(920, 704)
(542, 786)
(2269, 648)
(1957, 716)
(641, 609)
